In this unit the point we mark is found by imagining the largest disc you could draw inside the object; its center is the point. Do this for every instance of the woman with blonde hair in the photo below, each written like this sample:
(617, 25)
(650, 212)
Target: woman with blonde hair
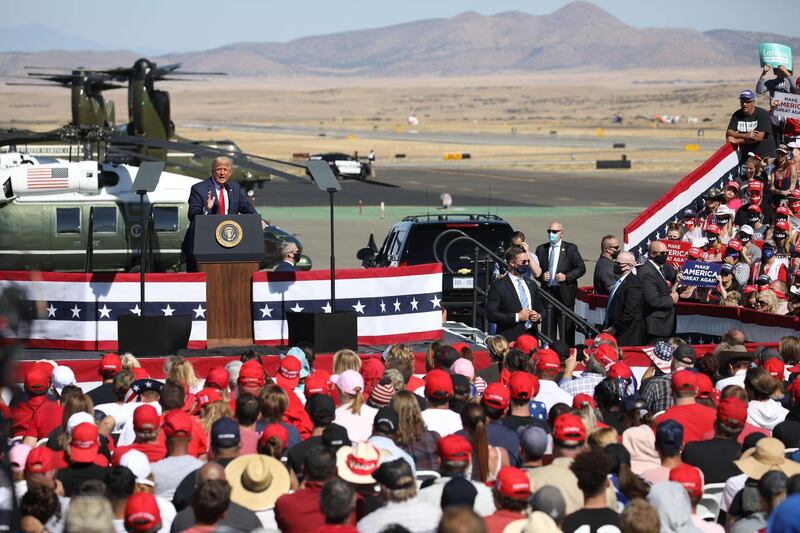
(498, 349)
(346, 360)
(213, 411)
(767, 302)
(411, 434)
(602, 437)
(353, 414)
(128, 361)
(181, 371)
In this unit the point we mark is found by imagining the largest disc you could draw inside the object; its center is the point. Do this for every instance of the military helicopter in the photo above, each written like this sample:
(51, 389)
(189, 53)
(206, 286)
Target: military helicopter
(149, 116)
(82, 216)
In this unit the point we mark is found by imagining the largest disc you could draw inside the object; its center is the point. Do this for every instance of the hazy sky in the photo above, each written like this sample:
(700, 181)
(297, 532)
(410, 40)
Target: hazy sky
(179, 25)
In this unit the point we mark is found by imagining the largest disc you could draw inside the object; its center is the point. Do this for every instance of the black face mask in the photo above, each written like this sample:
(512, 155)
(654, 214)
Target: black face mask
(723, 220)
(745, 240)
(296, 256)
(660, 259)
(618, 270)
(753, 220)
(614, 254)
(780, 236)
(711, 238)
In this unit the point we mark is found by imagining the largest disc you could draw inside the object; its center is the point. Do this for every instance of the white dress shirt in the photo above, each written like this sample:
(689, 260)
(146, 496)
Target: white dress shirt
(219, 189)
(514, 281)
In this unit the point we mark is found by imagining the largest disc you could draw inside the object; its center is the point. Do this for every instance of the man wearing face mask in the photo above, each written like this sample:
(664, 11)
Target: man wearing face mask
(623, 317)
(755, 198)
(750, 251)
(769, 265)
(562, 265)
(290, 254)
(660, 286)
(604, 276)
(513, 302)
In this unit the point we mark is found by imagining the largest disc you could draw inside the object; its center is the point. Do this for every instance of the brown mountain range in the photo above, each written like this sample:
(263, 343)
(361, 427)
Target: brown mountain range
(579, 35)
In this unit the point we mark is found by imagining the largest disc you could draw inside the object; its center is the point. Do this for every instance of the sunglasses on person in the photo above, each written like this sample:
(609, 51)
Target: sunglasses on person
(554, 231)
(526, 262)
(761, 303)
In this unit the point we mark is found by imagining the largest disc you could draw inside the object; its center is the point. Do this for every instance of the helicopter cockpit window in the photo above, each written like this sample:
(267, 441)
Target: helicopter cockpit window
(165, 218)
(68, 220)
(105, 219)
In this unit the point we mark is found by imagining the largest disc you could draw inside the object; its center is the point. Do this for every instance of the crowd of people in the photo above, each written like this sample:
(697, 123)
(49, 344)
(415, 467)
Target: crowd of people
(527, 443)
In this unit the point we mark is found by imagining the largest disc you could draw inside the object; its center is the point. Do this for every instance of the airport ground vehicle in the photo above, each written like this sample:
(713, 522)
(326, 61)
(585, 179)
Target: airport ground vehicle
(343, 165)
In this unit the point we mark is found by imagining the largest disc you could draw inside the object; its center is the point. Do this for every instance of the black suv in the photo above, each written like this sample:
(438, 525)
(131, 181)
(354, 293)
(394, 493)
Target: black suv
(410, 242)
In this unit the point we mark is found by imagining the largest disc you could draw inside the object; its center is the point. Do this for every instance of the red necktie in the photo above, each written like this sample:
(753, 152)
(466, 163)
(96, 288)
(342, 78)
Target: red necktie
(222, 201)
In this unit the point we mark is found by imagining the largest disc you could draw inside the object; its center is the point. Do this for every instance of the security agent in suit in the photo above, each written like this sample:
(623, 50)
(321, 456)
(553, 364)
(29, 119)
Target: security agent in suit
(560, 278)
(660, 285)
(216, 196)
(290, 254)
(623, 317)
(513, 302)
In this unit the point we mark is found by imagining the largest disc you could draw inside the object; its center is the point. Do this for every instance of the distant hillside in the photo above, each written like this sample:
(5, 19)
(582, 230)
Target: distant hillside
(579, 35)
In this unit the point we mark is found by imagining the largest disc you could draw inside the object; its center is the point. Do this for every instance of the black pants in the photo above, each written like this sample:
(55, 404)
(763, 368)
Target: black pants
(567, 333)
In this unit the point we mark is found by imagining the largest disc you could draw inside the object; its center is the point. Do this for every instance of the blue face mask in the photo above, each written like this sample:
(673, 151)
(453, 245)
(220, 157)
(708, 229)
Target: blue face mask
(735, 257)
(766, 253)
(553, 237)
(523, 269)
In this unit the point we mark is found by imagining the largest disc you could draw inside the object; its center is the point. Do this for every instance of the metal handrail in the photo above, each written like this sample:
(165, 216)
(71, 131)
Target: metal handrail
(565, 311)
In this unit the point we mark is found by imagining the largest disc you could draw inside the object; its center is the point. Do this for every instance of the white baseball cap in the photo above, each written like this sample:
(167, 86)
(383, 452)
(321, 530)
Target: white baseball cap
(78, 418)
(63, 376)
(139, 464)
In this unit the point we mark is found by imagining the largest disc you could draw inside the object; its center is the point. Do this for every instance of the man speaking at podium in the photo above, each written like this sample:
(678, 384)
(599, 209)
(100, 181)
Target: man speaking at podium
(215, 196)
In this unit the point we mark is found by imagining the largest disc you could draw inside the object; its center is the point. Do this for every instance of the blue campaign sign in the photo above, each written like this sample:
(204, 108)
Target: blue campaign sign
(700, 274)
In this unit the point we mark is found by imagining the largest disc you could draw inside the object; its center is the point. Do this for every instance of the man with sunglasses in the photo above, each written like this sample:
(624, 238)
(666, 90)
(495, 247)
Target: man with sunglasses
(562, 265)
(659, 282)
(513, 302)
(604, 277)
(624, 309)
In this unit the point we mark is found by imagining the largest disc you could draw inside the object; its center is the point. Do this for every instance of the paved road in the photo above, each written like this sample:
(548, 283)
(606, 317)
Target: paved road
(650, 142)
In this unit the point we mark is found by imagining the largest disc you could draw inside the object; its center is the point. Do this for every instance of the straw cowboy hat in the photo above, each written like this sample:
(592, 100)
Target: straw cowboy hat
(768, 454)
(357, 463)
(257, 481)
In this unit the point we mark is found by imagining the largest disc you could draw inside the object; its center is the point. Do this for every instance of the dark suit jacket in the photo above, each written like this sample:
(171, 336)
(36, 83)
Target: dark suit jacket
(625, 312)
(570, 263)
(659, 310)
(503, 304)
(237, 204)
(285, 266)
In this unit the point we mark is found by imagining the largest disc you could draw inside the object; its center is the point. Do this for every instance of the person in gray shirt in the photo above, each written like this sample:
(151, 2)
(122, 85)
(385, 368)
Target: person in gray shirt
(604, 277)
(782, 82)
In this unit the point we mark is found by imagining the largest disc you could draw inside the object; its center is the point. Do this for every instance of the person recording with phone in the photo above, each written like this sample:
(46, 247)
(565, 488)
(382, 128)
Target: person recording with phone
(513, 302)
(751, 127)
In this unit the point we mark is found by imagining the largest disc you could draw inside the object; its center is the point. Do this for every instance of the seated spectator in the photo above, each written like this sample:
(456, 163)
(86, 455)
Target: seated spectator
(169, 471)
(762, 410)
(383, 429)
(80, 456)
(274, 408)
(592, 469)
(89, 514)
(788, 431)
(771, 491)
(321, 409)
(638, 437)
(594, 372)
(121, 483)
(137, 463)
(498, 347)
(412, 435)
(399, 491)
(247, 410)
(669, 445)
(627, 485)
(656, 387)
(696, 419)
(487, 459)
(532, 446)
(146, 425)
(548, 366)
(36, 383)
(300, 511)
(110, 364)
(523, 388)
(462, 519)
(39, 506)
(210, 502)
(715, 456)
(337, 501)
(353, 414)
(437, 416)
(455, 455)
(256, 482)
(273, 441)
(142, 514)
(674, 508)
(640, 517)
(733, 363)
(511, 493)
(691, 479)
(784, 516)
(495, 400)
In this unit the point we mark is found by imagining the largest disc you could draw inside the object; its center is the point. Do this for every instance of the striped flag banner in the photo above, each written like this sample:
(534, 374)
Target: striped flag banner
(688, 193)
(80, 311)
(402, 304)
(47, 177)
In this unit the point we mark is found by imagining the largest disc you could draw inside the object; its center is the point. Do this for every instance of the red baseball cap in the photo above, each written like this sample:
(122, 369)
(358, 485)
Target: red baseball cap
(496, 395)
(690, 477)
(783, 210)
(754, 209)
(37, 379)
(608, 337)
(732, 412)
(783, 225)
(40, 459)
(581, 399)
(84, 443)
(793, 389)
(438, 384)
(754, 185)
(549, 362)
(177, 424)
(208, 395)
(684, 380)
(110, 364)
(620, 370)
(569, 428)
(251, 373)
(140, 373)
(713, 228)
(275, 430)
(454, 448)
(317, 383)
(695, 253)
(705, 387)
(523, 386)
(795, 194)
(526, 343)
(218, 377)
(732, 185)
(289, 372)
(605, 354)
(513, 483)
(775, 368)
(735, 244)
(144, 416)
(141, 512)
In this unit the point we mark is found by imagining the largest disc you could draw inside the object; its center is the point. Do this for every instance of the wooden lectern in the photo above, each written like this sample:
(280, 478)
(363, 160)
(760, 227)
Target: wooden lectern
(228, 249)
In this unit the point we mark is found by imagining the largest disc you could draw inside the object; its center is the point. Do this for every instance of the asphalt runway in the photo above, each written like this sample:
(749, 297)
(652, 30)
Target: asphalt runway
(590, 205)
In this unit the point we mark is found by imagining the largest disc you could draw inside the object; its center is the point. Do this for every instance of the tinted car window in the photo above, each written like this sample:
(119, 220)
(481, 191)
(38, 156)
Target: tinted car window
(496, 237)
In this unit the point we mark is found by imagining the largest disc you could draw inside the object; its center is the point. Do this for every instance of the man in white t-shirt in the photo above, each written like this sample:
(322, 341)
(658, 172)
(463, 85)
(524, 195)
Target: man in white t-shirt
(438, 417)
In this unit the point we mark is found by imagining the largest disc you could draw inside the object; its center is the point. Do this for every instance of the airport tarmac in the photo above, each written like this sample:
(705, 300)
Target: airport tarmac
(589, 205)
